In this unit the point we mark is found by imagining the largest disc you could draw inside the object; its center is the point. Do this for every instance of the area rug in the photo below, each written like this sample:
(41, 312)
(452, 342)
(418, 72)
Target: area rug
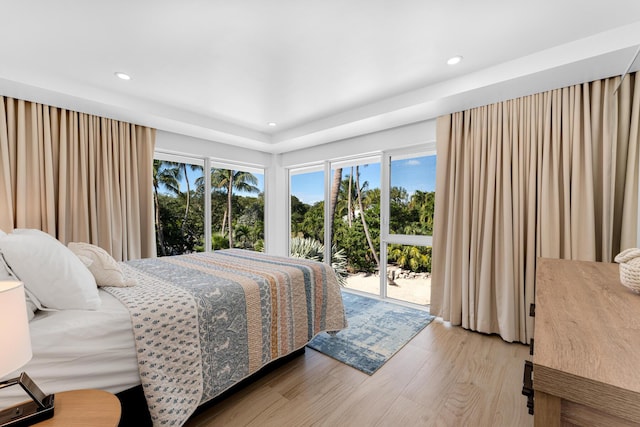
(377, 330)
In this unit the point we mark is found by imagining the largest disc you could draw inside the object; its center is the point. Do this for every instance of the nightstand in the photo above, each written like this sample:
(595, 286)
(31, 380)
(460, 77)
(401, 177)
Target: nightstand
(82, 408)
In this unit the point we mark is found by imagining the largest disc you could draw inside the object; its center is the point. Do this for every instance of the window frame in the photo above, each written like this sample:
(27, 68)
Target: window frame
(208, 163)
(387, 238)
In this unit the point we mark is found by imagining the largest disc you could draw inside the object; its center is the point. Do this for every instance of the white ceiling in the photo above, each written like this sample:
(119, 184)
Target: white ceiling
(322, 70)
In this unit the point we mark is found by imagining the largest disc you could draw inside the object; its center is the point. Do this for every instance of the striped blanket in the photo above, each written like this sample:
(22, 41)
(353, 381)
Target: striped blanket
(203, 322)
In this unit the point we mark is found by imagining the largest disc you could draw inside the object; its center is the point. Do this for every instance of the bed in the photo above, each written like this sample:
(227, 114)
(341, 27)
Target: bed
(190, 328)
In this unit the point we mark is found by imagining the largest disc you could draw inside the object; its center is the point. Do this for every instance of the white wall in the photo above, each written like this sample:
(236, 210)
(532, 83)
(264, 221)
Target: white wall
(186, 145)
(400, 137)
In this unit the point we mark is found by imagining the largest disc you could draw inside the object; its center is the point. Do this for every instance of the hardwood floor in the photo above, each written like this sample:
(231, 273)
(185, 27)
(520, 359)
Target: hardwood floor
(445, 376)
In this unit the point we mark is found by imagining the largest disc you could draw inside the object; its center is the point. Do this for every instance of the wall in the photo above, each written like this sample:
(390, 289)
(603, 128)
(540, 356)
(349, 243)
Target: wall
(187, 145)
(400, 137)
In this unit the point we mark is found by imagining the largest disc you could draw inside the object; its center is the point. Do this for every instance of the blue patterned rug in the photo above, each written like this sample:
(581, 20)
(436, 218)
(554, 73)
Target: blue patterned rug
(377, 330)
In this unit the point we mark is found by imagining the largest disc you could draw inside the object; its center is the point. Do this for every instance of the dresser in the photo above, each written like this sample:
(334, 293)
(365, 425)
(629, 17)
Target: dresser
(586, 355)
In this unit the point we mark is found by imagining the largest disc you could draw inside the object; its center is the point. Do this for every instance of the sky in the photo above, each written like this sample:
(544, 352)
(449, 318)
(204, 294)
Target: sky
(418, 173)
(193, 175)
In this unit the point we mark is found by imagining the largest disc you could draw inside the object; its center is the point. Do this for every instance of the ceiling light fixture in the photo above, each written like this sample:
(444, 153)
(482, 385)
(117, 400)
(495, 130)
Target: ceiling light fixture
(123, 76)
(272, 124)
(454, 60)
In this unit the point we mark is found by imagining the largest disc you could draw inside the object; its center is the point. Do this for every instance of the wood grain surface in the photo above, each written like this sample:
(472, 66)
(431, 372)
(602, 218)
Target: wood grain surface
(445, 376)
(587, 337)
(84, 408)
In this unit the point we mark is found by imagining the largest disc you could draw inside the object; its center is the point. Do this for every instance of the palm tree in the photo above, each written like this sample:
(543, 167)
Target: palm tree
(165, 174)
(335, 191)
(364, 221)
(349, 207)
(411, 258)
(183, 173)
(423, 203)
(228, 180)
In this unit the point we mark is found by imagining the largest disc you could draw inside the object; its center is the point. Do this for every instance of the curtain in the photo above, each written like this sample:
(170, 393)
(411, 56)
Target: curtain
(549, 175)
(78, 177)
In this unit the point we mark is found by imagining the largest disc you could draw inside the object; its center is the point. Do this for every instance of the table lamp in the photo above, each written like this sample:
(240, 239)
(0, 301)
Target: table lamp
(15, 352)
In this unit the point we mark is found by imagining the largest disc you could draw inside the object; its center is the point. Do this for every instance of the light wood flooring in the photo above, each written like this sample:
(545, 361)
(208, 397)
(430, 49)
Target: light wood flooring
(445, 376)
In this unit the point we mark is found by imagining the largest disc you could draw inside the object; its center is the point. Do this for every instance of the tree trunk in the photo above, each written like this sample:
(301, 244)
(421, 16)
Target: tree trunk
(335, 191)
(349, 208)
(159, 232)
(364, 221)
(186, 209)
(229, 198)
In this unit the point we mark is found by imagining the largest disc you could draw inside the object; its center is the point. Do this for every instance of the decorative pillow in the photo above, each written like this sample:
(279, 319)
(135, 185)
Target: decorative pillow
(104, 268)
(50, 271)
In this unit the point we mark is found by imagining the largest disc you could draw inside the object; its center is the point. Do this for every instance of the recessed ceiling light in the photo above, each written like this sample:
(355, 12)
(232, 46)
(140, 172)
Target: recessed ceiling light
(272, 124)
(123, 76)
(454, 60)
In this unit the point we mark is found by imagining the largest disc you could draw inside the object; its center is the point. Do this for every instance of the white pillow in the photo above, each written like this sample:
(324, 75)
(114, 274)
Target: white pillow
(50, 271)
(104, 268)
(5, 271)
(7, 275)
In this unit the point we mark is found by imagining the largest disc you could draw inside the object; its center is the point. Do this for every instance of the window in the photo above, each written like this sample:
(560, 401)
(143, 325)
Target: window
(307, 204)
(178, 207)
(355, 225)
(237, 208)
(406, 245)
(412, 195)
(379, 217)
(235, 202)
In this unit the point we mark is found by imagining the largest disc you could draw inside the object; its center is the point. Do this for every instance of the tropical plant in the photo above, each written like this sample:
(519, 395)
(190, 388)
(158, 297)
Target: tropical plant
(238, 180)
(304, 247)
(364, 221)
(414, 258)
(313, 223)
(219, 241)
(165, 174)
(335, 192)
(168, 177)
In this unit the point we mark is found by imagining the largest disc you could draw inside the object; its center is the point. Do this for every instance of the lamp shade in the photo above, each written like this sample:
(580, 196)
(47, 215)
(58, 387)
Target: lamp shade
(15, 341)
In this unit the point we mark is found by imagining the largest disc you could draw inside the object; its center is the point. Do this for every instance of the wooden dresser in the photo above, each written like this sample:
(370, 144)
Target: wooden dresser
(586, 356)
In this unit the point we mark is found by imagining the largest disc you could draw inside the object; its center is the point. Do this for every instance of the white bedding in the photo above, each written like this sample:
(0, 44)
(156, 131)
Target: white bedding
(99, 351)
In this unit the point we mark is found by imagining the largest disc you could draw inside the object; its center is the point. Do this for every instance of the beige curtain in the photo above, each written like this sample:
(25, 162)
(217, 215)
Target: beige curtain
(78, 177)
(548, 175)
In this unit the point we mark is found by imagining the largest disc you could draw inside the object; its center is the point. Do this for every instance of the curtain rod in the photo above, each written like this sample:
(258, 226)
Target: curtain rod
(623, 75)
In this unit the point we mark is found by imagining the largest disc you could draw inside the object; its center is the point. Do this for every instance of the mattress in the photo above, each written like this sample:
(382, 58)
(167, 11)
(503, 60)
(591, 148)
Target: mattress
(99, 353)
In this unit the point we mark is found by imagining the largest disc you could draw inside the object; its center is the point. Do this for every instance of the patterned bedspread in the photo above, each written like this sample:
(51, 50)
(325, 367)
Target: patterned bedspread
(203, 322)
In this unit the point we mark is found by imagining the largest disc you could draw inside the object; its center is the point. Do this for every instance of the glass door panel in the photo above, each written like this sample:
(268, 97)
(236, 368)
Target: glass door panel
(355, 222)
(409, 273)
(407, 242)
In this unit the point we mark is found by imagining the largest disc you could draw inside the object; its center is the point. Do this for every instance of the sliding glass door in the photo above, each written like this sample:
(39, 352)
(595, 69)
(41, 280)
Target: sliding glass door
(355, 221)
(377, 214)
(408, 226)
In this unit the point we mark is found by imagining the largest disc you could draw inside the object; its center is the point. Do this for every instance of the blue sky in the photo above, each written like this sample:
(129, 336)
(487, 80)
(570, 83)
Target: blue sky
(418, 173)
(193, 175)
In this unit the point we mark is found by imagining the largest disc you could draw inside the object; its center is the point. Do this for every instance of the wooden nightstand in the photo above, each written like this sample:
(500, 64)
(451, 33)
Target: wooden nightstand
(82, 408)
